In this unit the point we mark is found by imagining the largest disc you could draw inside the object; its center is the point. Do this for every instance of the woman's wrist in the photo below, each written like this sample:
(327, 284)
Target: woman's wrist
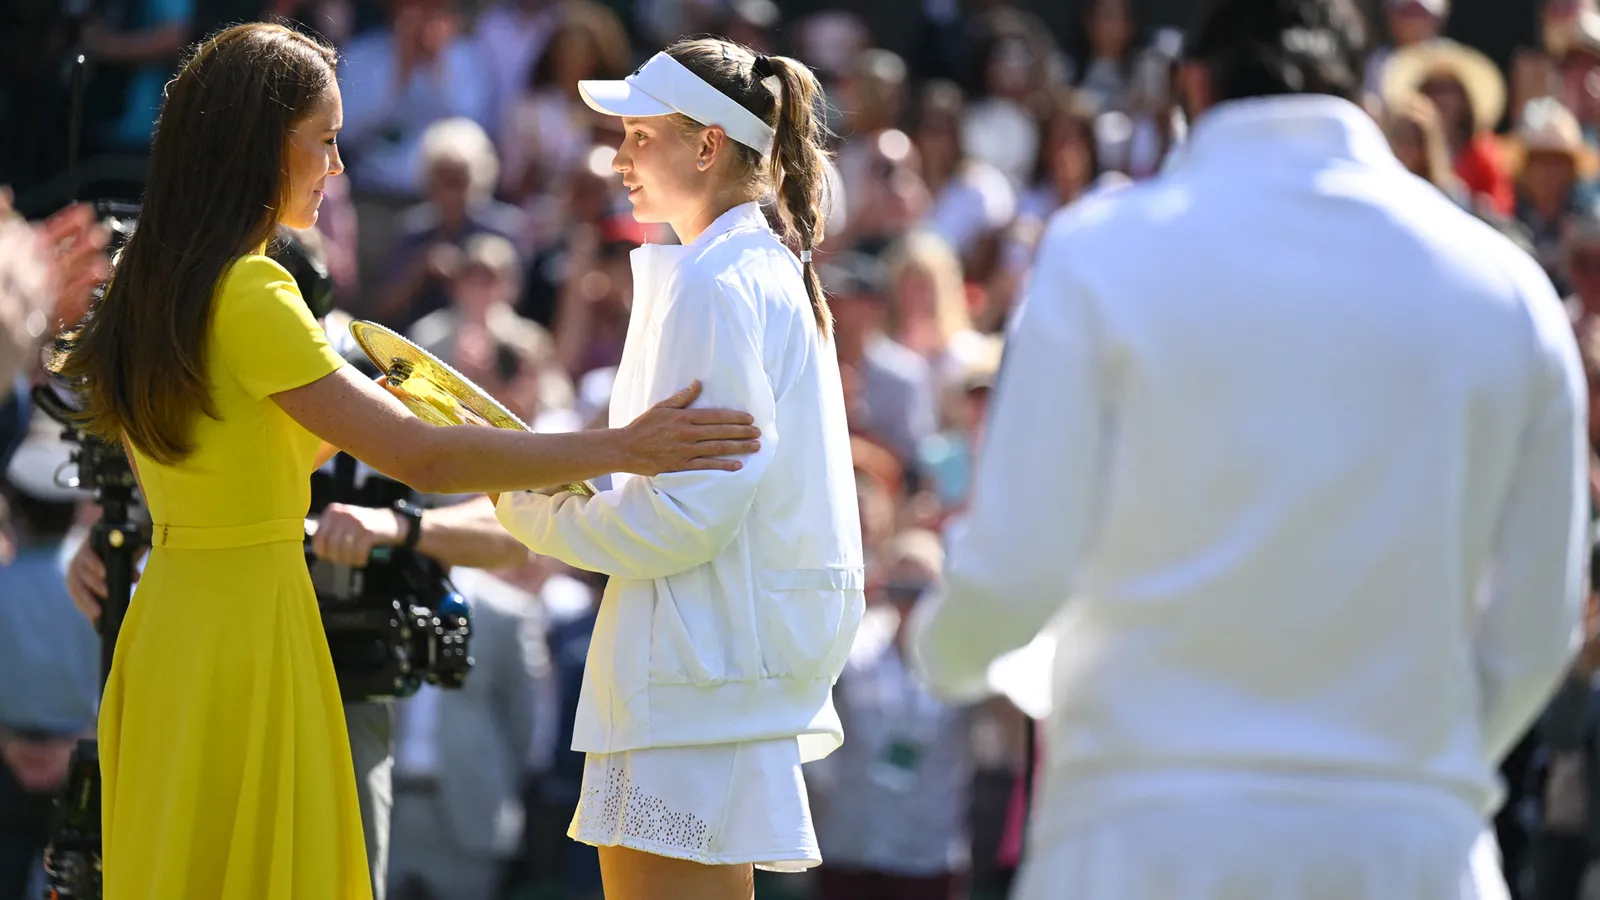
(616, 448)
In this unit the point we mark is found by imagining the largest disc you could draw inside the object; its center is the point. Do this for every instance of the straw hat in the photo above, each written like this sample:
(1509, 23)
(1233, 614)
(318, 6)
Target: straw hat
(1549, 127)
(1411, 67)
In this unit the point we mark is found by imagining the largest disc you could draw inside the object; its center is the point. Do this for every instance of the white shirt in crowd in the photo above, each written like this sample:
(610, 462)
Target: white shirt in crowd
(734, 596)
(1289, 456)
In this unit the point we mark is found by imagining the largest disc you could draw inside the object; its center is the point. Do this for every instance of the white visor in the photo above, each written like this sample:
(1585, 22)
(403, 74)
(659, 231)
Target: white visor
(663, 86)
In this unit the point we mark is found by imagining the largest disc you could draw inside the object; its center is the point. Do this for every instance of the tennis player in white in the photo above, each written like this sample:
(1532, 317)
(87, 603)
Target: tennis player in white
(1289, 461)
(734, 596)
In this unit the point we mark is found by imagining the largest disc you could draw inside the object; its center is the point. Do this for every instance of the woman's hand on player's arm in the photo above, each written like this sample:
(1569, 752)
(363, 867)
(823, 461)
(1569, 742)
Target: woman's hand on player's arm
(360, 417)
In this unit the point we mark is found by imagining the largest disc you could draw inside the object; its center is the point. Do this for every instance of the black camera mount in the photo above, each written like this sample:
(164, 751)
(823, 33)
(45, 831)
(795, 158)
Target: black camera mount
(73, 858)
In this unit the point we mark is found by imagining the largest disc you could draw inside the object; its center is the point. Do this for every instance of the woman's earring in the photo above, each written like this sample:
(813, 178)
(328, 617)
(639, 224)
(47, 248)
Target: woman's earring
(702, 165)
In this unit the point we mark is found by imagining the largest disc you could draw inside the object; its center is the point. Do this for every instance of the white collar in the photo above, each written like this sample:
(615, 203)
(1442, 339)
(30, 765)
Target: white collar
(1285, 127)
(745, 215)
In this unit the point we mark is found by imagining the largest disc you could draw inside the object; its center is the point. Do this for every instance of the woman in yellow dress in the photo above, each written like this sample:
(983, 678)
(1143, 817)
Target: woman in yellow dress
(225, 767)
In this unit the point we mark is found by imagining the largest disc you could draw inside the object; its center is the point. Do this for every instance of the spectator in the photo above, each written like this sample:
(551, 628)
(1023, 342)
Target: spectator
(1575, 48)
(880, 483)
(569, 600)
(753, 23)
(1566, 24)
(596, 294)
(460, 755)
(459, 167)
(1107, 65)
(483, 338)
(1581, 267)
(1069, 159)
(948, 458)
(1410, 22)
(49, 661)
(333, 20)
(896, 393)
(1470, 93)
(1417, 135)
(1566, 839)
(889, 196)
(397, 81)
(972, 199)
(871, 97)
(135, 50)
(1553, 168)
(547, 128)
(1018, 64)
(927, 311)
(895, 826)
(513, 35)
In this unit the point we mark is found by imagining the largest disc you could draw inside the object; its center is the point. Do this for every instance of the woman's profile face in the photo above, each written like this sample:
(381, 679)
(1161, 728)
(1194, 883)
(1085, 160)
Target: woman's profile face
(659, 168)
(311, 157)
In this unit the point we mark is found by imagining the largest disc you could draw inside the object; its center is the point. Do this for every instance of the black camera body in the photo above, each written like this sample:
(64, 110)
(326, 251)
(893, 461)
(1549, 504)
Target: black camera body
(395, 623)
(392, 625)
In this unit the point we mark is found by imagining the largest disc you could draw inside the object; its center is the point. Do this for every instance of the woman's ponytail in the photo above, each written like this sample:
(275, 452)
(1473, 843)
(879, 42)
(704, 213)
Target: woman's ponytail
(798, 168)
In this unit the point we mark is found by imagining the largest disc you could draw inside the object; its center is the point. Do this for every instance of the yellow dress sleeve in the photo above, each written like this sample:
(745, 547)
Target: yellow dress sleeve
(265, 334)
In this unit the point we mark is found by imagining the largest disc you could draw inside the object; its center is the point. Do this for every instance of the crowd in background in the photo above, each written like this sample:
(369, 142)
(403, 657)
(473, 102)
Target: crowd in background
(480, 216)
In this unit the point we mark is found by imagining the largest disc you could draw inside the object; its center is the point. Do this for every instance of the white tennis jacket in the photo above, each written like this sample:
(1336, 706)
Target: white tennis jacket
(734, 596)
(1289, 453)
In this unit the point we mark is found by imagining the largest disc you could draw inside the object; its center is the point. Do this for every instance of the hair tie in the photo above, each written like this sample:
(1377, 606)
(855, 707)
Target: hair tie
(762, 69)
(805, 257)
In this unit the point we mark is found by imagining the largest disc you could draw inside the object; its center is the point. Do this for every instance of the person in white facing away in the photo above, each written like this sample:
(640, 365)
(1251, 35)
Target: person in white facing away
(734, 598)
(1287, 457)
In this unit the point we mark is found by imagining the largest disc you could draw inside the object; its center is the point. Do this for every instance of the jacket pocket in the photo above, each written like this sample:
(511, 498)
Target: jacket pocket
(673, 656)
(807, 619)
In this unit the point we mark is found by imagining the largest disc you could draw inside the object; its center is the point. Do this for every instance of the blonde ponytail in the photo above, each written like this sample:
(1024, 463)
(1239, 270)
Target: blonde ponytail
(797, 169)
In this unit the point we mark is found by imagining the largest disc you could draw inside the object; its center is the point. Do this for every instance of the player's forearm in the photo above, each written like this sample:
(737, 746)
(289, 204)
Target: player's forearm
(649, 529)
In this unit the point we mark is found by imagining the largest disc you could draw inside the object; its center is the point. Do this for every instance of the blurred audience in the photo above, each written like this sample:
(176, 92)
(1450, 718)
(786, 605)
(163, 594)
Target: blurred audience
(482, 218)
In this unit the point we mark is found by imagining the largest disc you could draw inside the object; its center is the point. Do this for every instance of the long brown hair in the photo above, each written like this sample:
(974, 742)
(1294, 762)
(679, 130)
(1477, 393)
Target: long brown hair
(215, 185)
(797, 168)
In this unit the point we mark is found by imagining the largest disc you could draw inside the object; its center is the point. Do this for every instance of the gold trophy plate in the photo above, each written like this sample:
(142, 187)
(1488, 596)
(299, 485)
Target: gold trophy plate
(433, 391)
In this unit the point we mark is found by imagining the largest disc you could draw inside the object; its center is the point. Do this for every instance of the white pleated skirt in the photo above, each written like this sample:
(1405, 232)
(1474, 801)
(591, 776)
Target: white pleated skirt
(723, 804)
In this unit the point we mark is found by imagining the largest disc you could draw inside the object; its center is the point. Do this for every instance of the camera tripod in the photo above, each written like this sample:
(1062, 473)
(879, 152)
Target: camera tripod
(73, 857)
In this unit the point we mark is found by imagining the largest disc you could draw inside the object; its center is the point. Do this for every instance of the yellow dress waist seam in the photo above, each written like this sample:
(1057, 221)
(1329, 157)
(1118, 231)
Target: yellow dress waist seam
(218, 537)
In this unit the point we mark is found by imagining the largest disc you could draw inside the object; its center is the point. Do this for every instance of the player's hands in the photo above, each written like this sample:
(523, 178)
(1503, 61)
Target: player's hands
(670, 437)
(347, 535)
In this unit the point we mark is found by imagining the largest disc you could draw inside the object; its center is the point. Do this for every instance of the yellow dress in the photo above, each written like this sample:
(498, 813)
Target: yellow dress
(224, 759)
